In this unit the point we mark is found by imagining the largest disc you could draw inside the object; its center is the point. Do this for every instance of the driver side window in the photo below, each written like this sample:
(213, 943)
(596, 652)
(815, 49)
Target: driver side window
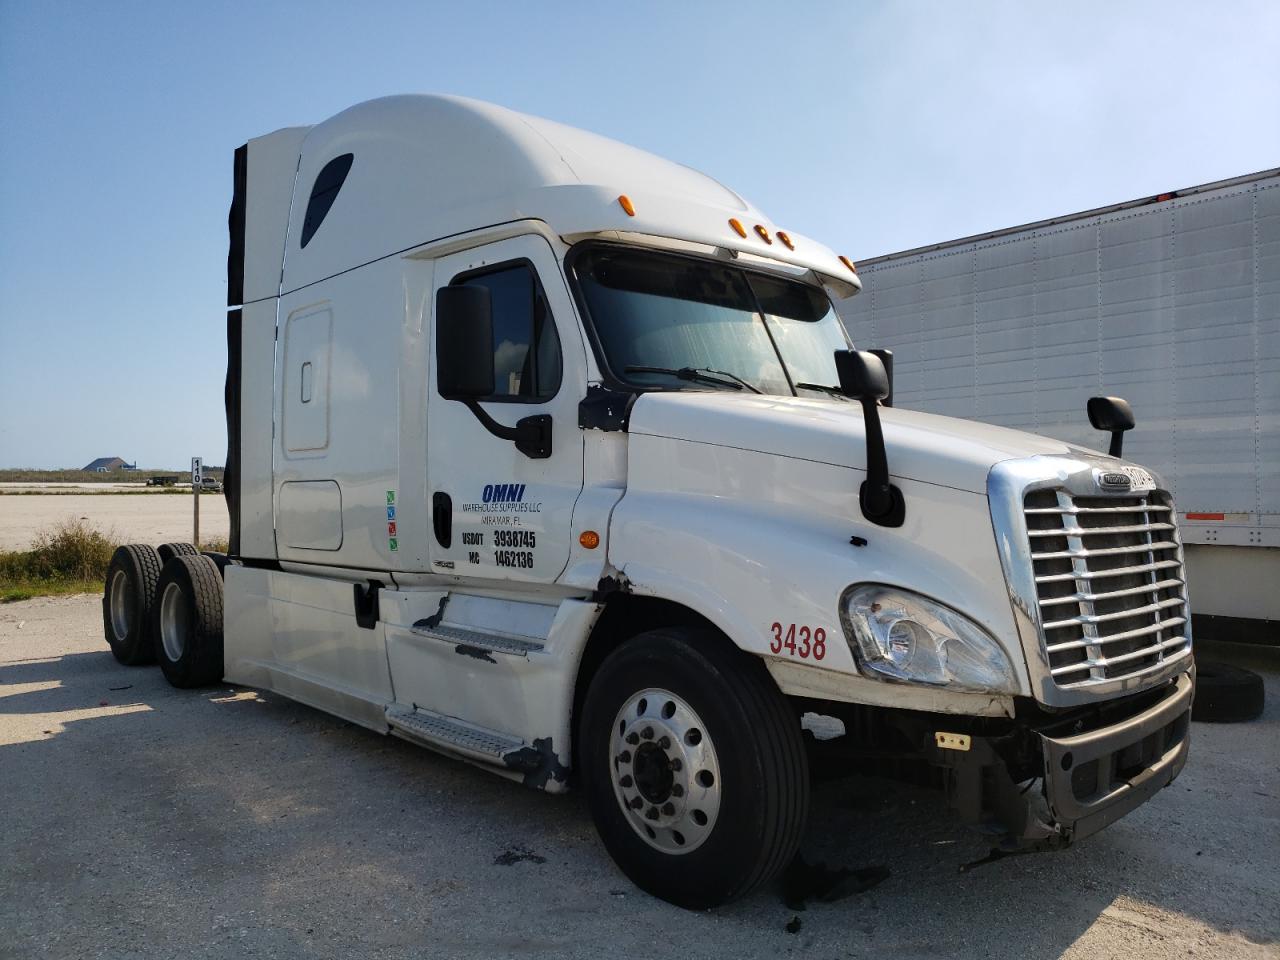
(526, 349)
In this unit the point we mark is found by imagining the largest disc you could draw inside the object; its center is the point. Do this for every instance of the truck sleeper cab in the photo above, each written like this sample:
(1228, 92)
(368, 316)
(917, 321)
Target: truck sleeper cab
(541, 456)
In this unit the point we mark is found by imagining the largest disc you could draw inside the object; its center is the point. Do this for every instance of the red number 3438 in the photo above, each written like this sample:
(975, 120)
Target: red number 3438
(800, 641)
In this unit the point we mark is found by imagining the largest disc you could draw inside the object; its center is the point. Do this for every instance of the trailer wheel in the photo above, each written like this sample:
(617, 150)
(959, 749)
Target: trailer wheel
(188, 621)
(127, 598)
(1226, 694)
(168, 551)
(694, 767)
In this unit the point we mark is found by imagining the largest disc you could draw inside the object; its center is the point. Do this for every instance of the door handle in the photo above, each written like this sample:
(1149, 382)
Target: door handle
(442, 518)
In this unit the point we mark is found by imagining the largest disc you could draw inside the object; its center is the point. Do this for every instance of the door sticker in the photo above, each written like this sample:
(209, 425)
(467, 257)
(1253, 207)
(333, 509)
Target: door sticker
(393, 541)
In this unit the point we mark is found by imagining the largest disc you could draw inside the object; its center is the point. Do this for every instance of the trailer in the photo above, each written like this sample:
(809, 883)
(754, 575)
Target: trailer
(554, 456)
(1172, 301)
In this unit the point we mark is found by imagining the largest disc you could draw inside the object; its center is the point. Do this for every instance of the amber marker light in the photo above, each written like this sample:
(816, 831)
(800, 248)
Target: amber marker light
(625, 203)
(786, 239)
(589, 539)
(848, 263)
(738, 228)
(764, 235)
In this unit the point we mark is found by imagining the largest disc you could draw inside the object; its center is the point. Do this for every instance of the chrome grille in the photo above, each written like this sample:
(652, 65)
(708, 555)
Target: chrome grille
(1109, 582)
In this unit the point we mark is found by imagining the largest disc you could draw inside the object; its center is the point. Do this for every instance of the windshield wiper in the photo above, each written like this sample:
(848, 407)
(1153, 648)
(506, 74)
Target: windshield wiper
(699, 375)
(833, 391)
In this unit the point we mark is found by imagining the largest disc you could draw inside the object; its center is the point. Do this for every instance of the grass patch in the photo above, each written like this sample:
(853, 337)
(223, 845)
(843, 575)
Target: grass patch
(71, 557)
(29, 589)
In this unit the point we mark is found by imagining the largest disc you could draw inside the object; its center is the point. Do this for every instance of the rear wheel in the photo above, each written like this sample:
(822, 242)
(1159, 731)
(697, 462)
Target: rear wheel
(694, 767)
(127, 599)
(168, 551)
(187, 621)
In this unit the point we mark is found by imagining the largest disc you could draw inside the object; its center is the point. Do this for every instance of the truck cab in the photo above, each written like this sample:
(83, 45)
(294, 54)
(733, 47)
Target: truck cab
(553, 455)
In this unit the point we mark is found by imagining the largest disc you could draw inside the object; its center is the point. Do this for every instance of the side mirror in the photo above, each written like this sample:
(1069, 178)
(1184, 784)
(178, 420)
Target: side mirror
(863, 377)
(464, 343)
(1112, 415)
(886, 357)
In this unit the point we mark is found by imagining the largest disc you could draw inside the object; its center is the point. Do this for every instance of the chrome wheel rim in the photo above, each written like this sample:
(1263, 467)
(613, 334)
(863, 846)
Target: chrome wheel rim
(665, 772)
(121, 606)
(174, 622)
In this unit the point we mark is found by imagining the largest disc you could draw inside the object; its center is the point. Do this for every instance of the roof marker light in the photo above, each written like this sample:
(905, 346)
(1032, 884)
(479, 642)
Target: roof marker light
(848, 263)
(764, 235)
(786, 239)
(738, 228)
(625, 203)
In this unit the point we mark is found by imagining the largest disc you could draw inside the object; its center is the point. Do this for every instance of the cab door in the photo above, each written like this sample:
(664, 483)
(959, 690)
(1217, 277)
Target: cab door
(499, 513)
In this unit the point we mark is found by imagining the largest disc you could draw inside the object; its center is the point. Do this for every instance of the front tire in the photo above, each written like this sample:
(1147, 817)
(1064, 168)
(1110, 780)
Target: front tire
(187, 621)
(694, 767)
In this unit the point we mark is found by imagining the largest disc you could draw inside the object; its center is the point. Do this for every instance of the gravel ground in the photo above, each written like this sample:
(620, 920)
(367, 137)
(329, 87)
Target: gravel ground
(137, 820)
(128, 517)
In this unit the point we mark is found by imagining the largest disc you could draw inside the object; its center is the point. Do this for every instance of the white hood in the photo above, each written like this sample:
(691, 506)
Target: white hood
(921, 446)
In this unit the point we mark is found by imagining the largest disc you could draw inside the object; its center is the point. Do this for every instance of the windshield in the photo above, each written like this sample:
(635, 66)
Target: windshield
(675, 316)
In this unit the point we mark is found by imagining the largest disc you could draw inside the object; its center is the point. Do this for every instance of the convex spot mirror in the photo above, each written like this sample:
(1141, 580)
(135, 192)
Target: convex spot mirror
(464, 343)
(1112, 415)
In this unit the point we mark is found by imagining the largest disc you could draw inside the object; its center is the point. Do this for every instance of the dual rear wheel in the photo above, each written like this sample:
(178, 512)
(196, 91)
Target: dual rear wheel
(165, 605)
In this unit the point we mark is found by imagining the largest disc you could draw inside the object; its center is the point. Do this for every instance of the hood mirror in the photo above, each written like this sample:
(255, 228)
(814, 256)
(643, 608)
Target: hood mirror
(864, 378)
(1112, 415)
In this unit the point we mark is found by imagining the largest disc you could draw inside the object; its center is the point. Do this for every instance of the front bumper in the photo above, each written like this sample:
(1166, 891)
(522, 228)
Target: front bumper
(1087, 778)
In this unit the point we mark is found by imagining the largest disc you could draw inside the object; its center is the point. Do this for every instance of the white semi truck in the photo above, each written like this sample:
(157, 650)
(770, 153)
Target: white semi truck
(554, 456)
(1172, 300)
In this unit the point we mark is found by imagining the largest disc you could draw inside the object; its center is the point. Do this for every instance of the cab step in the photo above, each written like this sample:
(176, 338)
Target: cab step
(477, 641)
(458, 736)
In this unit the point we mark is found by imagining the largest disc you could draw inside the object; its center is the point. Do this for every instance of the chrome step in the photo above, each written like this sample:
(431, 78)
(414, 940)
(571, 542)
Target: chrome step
(437, 730)
(477, 640)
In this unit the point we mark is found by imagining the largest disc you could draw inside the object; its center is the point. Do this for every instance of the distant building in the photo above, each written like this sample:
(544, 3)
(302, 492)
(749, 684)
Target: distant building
(108, 464)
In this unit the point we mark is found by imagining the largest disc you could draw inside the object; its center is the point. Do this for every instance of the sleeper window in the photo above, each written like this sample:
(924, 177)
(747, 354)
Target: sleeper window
(526, 349)
(323, 192)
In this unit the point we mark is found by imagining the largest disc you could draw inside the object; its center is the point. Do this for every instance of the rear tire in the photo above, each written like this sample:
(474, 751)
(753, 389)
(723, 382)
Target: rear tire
(694, 767)
(168, 551)
(220, 560)
(187, 621)
(127, 598)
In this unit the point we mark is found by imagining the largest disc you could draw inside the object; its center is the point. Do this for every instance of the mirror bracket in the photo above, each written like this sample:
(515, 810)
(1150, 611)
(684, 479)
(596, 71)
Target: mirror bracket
(863, 378)
(531, 435)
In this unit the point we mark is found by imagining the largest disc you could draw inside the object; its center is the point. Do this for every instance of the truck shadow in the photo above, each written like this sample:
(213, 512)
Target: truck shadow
(309, 833)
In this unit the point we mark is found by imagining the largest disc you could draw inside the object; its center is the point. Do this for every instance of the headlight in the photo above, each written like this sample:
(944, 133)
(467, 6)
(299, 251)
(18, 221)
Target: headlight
(899, 635)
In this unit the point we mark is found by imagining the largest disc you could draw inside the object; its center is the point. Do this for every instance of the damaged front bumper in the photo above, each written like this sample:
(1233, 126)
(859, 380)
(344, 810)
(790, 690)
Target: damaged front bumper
(1052, 783)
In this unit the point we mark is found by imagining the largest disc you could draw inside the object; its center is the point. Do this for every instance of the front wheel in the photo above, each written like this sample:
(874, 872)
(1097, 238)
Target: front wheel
(694, 767)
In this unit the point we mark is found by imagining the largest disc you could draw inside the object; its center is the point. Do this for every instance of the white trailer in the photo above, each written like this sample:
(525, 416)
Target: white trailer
(1171, 301)
(554, 456)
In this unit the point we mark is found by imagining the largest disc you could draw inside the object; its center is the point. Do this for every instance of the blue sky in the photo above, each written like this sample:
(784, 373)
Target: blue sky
(871, 126)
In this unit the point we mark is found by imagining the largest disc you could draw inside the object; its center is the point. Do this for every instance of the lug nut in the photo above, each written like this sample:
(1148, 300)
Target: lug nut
(677, 790)
(636, 803)
(668, 808)
(676, 763)
(647, 733)
(626, 781)
(624, 756)
(665, 743)
(651, 813)
(632, 739)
